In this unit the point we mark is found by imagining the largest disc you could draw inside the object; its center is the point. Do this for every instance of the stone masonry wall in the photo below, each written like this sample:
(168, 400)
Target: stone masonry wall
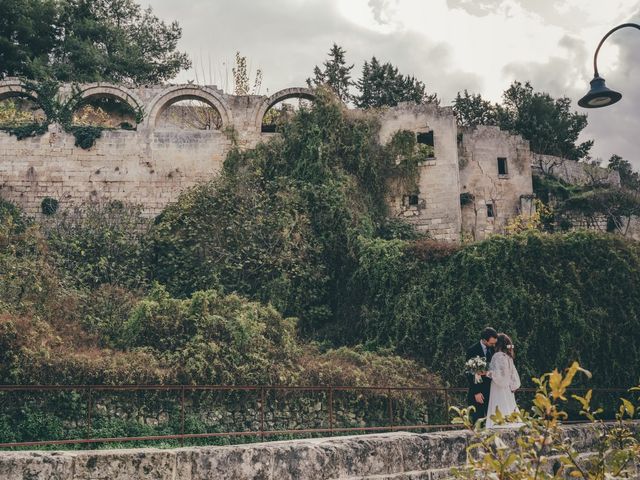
(484, 188)
(438, 208)
(577, 173)
(160, 412)
(383, 457)
(148, 168)
(152, 164)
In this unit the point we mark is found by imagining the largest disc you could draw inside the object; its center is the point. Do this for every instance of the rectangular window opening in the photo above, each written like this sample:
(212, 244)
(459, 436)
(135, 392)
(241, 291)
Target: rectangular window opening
(425, 139)
(490, 210)
(411, 200)
(502, 166)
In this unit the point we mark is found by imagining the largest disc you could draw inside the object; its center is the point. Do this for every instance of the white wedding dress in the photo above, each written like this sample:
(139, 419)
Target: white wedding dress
(504, 381)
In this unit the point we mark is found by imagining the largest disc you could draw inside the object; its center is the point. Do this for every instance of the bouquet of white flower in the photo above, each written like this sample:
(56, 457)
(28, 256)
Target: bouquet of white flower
(475, 366)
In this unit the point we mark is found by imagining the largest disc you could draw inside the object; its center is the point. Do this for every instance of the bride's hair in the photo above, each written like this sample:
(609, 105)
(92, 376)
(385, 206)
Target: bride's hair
(504, 344)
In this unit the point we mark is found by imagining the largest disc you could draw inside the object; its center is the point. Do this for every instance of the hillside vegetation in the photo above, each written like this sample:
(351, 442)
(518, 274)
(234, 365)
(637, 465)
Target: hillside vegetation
(285, 269)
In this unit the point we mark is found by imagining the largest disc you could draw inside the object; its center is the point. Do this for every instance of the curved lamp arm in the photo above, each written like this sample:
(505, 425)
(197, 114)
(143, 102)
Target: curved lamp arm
(599, 95)
(595, 56)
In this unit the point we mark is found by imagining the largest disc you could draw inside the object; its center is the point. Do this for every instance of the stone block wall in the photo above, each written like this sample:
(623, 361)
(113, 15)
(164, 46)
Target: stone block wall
(389, 456)
(580, 173)
(491, 198)
(152, 164)
(438, 209)
(576, 173)
(142, 167)
(159, 412)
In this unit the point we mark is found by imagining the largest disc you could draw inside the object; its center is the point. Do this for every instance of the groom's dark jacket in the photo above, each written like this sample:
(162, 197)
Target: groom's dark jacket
(483, 387)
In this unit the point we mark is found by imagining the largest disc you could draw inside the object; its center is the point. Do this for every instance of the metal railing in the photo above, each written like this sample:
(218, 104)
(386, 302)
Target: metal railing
(434, 401)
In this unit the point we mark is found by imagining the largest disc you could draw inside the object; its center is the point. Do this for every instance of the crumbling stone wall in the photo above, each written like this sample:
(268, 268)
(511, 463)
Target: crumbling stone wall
(152, 164)
(224, 411)
(580, 173)
(490, 196)
(149, 166)
(437, 209)
(576, 173)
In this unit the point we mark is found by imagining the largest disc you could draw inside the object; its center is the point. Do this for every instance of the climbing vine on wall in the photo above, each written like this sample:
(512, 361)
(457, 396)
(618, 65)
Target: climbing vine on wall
(46, 96)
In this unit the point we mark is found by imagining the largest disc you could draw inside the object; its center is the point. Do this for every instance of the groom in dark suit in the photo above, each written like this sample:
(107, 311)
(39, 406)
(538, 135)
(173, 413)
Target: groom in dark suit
(478, 395)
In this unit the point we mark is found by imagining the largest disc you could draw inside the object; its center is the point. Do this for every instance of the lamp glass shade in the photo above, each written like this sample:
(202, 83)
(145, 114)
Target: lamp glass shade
(599, 95)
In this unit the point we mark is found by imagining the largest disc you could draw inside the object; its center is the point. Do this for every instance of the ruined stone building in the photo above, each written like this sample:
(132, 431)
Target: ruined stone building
(474, 183)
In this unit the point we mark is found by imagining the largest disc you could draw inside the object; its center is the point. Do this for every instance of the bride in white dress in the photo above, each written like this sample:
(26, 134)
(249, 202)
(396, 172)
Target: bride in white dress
(504, 382)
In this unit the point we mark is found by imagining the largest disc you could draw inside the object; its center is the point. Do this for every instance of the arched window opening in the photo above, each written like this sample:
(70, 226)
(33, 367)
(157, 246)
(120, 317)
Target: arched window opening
(281, 112)
(20, 110)
(190, 113)
(105, 111)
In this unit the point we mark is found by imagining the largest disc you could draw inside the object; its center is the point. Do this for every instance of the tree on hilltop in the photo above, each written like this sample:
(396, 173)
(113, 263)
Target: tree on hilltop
(336, 74)
(471, 110)
(548, 123)
(29, 31)
(382, 85)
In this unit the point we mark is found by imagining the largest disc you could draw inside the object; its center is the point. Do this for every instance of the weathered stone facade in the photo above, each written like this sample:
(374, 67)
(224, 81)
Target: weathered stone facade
(437, 206)
(152, 164)
(579, 173)
(495, 180)
(576, 173)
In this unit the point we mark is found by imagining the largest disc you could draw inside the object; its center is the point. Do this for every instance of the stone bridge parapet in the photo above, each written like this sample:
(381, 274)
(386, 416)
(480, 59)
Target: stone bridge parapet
(382, 456)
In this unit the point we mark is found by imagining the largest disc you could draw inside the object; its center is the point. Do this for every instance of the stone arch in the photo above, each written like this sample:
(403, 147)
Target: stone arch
(93, 93)
(187, 92)
(15, 88)
(267, 103)
(109, 90)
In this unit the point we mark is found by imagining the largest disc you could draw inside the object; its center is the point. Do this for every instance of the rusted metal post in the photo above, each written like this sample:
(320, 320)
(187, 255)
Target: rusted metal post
(330, 397)
(89, 408)
(390, 407)
(182, 416)
(262, 396)
(446, 404)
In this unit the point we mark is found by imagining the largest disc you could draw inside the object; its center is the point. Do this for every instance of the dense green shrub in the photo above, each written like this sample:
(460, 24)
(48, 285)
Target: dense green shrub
(104, 313)
(41, 352)
(561, 298)
(234, 233)
(86, 135)
(211, 338)
(12, 218)
(49, 206)
(28, 282)
(99, 243)
(282, 222)
(53, 330)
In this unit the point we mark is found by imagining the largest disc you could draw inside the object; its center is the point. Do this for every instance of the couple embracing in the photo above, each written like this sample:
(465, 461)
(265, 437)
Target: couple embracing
(494, 389)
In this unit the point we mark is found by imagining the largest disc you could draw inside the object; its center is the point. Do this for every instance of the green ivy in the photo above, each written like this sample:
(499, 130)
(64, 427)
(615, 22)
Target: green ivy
(466, 198)
(49, 206)
(46, 95)
(86, 136)
(25, 131)
(561, 297)
(283, 221)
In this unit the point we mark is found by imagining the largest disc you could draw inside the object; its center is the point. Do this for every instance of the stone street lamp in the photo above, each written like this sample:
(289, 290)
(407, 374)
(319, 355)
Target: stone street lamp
(600, 95)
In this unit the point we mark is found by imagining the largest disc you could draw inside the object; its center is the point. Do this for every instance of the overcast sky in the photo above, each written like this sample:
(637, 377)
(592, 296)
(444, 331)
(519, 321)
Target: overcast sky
(480, 45)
